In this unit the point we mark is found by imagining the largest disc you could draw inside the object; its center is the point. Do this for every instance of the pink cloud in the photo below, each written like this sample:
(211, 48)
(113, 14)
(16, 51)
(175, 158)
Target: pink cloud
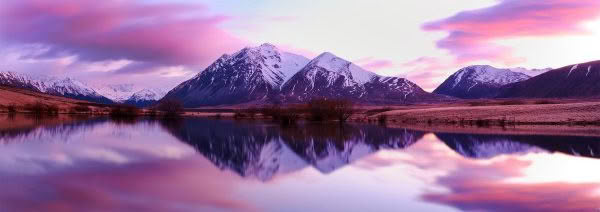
(178, 185)
(471, 33)
(163, 34)
(473, 185)
(373, 64)
(424, 70)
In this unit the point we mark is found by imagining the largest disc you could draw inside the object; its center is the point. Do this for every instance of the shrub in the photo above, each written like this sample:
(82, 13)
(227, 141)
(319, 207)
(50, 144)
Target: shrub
(323, 110)
(512, 102)
(251, 112)
(273, 111)
(123, 110)
(81, 109)
(239, 115)
(475, 104)
(544, 102)
(152, 112)
(39, 108)
(382, 119)
(12, 108)
(170, 107)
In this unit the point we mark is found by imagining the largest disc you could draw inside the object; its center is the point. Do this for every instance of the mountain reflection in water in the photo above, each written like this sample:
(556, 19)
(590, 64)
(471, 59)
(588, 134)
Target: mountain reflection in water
(212, 165)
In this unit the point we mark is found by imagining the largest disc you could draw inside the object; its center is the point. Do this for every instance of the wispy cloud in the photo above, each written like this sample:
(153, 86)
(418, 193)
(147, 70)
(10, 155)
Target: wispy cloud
(472, 34)
(162, 34)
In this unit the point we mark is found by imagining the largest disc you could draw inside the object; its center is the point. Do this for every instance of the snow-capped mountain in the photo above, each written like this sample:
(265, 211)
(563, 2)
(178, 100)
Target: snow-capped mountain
(66, 87)
(252, 74)
(329, 76)
(117, 92)
(145, 97)
(573, 81)
(479, 81)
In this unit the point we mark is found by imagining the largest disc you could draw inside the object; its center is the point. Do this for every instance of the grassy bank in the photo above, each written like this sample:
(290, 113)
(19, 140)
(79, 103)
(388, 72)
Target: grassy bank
(581, 113)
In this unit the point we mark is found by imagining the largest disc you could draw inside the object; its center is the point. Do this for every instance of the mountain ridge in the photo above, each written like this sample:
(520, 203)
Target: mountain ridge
(478, 81)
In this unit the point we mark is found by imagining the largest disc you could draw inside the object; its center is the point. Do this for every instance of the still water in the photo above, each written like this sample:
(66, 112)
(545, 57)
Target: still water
(223, 165)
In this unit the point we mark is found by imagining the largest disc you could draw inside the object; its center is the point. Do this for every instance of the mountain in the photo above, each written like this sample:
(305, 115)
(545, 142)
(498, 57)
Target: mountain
(252, 74)
(574, 81)
(479, 81)
(65, 87)
(145, 97)
(328, 76)
(116, 92)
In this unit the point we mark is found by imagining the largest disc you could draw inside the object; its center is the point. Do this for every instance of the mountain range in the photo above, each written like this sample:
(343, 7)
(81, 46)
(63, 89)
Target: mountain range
(475, 82)
(72, 88)
(266, 74)
(66, 87)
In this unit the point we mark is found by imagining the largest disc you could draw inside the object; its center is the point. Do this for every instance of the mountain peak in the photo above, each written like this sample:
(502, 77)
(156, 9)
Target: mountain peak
(478, 81)
(267, 46)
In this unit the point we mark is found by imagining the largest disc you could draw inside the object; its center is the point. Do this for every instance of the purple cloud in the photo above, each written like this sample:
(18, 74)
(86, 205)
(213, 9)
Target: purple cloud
(471, 33)
(164, 34)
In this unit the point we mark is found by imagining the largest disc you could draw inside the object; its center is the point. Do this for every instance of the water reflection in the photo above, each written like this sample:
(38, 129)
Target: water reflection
(488, 146)
(221, 165)
(264, 150)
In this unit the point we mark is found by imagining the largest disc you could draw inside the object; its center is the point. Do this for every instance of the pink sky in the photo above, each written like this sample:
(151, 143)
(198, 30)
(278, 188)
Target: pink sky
(162, 43)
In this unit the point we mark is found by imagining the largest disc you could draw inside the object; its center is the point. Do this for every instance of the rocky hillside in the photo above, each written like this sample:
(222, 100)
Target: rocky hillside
(573, 81)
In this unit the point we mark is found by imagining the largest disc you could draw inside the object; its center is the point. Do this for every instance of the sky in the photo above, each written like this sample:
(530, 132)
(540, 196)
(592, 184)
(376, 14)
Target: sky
(160, 43)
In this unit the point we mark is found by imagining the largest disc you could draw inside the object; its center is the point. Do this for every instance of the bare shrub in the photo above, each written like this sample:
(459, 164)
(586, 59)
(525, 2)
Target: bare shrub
(251, 112)
(272, 111)
(544, 102)
(170, 107)
(123, 110)
(284, 115)
(512, 102)
(39, 108)
(324, 110)
(81, 109)
(475, 104)
(12, 108)
(382, 119)
(238, 114)
(152, 112)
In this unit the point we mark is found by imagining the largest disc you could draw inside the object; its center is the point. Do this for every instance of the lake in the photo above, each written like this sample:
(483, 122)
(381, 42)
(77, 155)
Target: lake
(193, 164)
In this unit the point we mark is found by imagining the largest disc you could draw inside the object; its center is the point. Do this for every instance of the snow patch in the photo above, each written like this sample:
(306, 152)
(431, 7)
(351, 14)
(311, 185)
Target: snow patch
(573, 68)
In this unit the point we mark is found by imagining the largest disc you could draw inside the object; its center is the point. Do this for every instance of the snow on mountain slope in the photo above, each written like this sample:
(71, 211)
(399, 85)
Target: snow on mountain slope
(572, 81)
(145, 97)
(251, 74)
(479, 81)
(66, 87)
(328, 76)
(148, 94)
(332, 63)
(531, 72)
(117, 92)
